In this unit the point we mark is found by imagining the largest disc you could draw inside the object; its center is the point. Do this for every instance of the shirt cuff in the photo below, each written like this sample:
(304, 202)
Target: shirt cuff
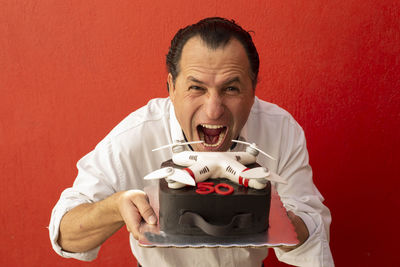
(308, 221)
(61, 208)
(314, 251)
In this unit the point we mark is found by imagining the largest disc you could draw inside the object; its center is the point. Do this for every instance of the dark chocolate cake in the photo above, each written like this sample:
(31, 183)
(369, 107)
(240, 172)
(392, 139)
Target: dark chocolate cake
(185, 212)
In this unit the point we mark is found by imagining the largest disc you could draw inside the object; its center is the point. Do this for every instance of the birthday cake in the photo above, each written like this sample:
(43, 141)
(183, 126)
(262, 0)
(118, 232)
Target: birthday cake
(217, 207)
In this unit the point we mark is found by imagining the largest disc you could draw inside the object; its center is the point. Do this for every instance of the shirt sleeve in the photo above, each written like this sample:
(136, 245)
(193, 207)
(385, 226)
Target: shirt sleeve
(68, 200)
(302, 198)
(97, 179)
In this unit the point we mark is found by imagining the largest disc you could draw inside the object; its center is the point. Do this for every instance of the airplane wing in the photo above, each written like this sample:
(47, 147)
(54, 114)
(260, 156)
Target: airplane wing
(185, 158)
(183, 177)
(176, 175)
(273, 177)
(255, 173)
(202, 171)
(160, 173)
(243, 157)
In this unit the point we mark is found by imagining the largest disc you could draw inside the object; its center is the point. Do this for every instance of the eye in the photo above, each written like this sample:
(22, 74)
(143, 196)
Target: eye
(196, 88)
(232, 90)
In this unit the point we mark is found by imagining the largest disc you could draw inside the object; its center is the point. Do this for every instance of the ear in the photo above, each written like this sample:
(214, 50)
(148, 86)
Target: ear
(171, 87)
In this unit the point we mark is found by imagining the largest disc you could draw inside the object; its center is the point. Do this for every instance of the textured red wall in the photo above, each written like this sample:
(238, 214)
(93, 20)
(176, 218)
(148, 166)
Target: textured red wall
(71, 70)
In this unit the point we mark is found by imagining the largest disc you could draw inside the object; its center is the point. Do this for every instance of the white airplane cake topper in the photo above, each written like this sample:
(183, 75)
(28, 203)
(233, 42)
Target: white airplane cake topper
(199, 166)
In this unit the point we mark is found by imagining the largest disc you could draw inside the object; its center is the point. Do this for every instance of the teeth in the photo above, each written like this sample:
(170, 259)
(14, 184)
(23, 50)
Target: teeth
(220, 138)
(210, 126)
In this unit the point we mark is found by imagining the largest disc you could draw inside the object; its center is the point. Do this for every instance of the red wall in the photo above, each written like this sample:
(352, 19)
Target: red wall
(71, 70)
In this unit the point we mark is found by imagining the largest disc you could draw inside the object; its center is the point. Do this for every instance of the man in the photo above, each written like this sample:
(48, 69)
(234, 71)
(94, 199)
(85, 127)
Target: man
(213, 68)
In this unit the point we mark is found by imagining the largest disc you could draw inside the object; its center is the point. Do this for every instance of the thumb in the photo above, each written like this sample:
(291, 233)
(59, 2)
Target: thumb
(145, 210)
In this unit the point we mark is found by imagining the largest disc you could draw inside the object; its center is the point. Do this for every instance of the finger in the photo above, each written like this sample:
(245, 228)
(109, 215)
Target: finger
(146, 211)
(134, 207)
(131, 216)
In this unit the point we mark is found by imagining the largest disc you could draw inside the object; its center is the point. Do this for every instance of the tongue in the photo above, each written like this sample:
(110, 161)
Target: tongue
(211, 139)
(208, 131)
(211, 135)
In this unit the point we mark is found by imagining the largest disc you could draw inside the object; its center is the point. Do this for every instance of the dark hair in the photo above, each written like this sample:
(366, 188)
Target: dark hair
(215, 32)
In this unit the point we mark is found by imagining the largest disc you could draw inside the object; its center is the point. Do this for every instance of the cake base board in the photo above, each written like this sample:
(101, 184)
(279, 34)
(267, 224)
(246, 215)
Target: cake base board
(280, 232)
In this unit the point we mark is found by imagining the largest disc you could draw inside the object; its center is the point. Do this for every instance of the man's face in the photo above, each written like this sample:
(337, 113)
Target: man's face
(212, 94)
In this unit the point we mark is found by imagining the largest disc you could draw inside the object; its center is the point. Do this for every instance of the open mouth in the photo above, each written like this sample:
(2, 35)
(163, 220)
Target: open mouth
(212, 135)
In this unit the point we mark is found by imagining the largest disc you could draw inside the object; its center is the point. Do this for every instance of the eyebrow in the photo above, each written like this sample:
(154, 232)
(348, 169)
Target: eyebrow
(193, 79)
(230, 81)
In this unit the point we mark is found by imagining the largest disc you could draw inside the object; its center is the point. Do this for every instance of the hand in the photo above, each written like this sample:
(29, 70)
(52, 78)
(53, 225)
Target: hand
(300, 228)
(134, 206)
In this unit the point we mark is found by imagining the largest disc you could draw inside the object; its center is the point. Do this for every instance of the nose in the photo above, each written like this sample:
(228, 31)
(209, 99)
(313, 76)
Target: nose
(214, 106)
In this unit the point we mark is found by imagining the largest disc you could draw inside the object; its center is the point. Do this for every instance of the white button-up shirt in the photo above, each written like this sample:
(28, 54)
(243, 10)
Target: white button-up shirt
(121, 160)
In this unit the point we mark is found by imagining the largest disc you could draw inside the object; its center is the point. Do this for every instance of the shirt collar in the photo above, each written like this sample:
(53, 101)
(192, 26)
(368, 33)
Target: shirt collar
(242, 137)
(244, 134)
(176, 130)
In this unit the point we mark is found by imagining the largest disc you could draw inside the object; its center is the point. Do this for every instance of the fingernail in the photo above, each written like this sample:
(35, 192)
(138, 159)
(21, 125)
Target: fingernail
(152, 219)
